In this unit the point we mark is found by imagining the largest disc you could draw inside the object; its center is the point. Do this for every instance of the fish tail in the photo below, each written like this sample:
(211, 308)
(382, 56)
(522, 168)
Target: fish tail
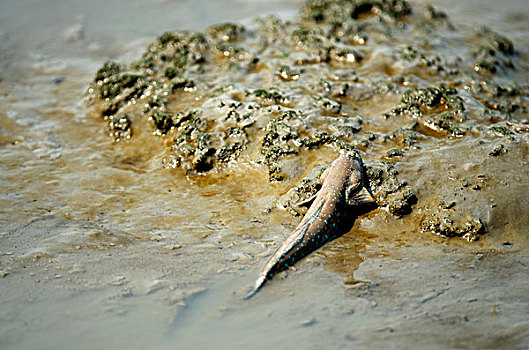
(266, 272)
(258, 284)
(288, 245)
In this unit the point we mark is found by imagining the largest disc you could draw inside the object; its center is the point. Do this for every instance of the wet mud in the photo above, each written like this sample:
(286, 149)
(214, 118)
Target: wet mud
(277, 93)
(146, 178)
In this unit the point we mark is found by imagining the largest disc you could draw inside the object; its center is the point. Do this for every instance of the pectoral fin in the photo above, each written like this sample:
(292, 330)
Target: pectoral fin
(363, 196)
(324, 175)
(307, 202)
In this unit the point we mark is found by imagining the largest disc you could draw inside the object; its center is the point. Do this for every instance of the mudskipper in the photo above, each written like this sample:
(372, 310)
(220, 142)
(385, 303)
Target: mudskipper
(344, 190)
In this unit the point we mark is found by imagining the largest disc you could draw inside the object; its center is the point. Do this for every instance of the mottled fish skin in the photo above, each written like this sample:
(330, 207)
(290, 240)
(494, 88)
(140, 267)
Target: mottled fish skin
(343, 188)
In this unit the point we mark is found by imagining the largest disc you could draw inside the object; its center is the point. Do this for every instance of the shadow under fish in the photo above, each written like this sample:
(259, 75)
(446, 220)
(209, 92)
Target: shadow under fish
(344, 195)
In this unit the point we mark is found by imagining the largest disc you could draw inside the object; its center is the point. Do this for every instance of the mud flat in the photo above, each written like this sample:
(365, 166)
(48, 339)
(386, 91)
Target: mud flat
(146, 179)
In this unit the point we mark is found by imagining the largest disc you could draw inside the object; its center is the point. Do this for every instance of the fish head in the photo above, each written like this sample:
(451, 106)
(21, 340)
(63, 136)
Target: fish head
(353, 156)
(357, 188)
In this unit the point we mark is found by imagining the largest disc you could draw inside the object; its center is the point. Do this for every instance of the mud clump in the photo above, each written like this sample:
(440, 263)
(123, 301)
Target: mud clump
(391, 191)
(372, 75)
(119, 127)
(449, 226)
(498, 150)
(439, 109)
(495, 53)
(288, 134)
(402, 204)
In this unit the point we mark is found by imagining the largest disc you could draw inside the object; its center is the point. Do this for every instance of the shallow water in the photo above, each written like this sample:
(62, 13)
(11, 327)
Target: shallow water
(101, 246)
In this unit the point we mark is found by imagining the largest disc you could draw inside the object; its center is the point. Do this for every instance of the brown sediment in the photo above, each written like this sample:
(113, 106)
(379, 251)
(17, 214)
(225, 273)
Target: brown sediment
(162, 225)
(286, 95)
(346, 253)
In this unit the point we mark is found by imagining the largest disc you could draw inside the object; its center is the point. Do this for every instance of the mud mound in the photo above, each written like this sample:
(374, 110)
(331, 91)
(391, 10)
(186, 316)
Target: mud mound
(396, 82)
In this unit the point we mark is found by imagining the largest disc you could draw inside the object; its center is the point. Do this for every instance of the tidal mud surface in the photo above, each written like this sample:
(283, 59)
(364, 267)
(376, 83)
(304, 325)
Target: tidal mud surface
(402, 84)
(146, 178)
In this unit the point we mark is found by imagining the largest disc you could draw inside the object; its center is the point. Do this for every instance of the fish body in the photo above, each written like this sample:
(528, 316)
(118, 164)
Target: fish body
(343, 187)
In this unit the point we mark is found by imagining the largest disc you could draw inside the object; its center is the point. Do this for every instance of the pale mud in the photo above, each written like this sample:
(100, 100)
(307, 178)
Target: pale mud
(101, 246)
